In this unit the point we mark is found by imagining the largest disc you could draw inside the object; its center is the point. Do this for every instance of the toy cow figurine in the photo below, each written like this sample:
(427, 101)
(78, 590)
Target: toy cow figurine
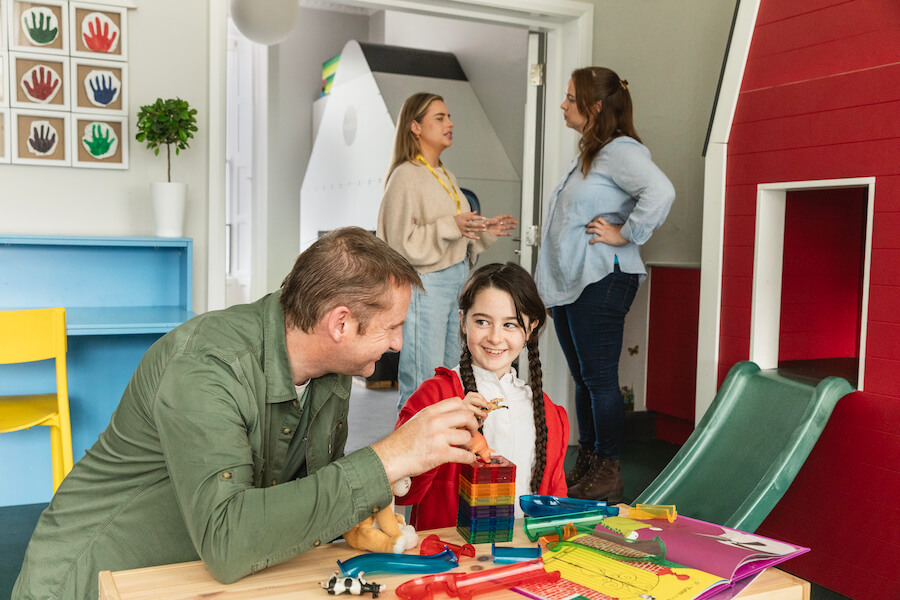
(340, 584)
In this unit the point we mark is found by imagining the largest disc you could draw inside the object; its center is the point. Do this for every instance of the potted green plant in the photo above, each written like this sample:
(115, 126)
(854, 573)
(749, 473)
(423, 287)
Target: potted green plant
(170, 122)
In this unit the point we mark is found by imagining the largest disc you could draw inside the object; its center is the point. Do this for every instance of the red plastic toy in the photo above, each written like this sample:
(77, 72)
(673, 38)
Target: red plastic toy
(466, 585)
(433, 544)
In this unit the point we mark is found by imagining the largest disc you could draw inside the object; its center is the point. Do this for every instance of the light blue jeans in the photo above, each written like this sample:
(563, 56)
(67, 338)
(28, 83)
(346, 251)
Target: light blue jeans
(431, 330)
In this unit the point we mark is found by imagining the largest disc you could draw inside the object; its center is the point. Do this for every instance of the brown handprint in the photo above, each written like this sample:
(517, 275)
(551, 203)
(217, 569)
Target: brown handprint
(43, 84)
(99, 39)
(42, 141)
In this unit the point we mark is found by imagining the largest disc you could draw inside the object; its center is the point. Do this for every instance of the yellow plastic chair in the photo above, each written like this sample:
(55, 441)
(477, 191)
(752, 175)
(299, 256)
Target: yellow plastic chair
(28, 336)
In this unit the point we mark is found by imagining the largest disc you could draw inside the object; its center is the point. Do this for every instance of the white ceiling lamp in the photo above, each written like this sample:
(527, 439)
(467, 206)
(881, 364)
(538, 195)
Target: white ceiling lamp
(265, 21)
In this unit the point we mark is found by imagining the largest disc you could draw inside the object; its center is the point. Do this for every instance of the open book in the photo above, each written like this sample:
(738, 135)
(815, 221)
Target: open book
(688, 559)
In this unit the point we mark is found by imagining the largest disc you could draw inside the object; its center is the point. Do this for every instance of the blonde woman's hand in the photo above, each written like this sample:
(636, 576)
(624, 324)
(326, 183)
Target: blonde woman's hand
(500, 224)
(605, 232)
(470, 224)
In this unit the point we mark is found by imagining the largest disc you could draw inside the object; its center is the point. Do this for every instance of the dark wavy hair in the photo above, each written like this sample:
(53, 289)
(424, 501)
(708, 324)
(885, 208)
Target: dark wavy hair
(614, 119)
(518, 283)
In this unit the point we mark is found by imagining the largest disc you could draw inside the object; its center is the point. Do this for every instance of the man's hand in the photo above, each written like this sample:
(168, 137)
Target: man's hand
(436, 435)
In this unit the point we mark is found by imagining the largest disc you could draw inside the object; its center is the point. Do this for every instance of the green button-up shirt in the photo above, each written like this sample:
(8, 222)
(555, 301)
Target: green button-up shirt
(188, 467)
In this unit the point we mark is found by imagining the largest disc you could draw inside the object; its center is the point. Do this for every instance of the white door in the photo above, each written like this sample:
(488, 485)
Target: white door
(238, 167)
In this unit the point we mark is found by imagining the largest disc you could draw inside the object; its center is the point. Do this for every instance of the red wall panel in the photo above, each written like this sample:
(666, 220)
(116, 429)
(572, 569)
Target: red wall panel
(822, 273)
(820, 100)
(856, 551)
(672, 350)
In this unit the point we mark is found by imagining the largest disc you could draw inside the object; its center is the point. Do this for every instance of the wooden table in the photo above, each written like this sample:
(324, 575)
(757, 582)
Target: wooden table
(300, 578)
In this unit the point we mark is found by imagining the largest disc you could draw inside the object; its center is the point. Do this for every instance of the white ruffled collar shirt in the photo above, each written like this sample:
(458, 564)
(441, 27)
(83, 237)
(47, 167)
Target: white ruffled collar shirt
(509, 431)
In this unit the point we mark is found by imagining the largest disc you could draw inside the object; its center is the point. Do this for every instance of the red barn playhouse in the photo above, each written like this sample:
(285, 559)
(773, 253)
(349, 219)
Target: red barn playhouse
(801, 262)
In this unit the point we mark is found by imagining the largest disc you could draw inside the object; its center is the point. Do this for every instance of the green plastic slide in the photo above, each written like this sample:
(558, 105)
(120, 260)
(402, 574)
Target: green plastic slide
(748, 447)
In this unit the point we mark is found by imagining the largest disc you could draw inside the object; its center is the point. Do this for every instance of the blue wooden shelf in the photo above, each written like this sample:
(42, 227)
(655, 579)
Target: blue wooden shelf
(120, 294)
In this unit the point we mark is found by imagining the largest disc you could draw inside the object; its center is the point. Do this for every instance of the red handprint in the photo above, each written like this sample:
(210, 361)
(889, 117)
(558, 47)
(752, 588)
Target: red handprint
(99, 39)
(43, 84)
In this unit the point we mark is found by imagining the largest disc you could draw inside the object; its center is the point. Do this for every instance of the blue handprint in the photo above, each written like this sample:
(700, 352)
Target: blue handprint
(105, 91)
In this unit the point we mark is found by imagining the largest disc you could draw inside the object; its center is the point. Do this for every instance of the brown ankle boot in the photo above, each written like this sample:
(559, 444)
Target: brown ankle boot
(602, 482)
(582, 465)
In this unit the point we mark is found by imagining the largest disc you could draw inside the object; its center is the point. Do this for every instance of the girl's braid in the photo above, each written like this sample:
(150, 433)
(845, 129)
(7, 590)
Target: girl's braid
(540, 417)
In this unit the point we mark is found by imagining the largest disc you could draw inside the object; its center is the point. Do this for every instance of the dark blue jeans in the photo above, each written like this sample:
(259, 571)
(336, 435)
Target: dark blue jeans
(590, 333)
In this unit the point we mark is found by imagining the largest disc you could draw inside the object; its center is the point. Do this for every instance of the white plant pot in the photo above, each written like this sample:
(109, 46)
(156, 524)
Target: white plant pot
(169, 201)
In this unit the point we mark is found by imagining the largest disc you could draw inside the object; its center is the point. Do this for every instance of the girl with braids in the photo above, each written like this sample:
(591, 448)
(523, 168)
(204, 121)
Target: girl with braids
(500, 312)
(609, 202)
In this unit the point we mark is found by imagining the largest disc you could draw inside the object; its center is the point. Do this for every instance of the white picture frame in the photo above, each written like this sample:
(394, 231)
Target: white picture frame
(5, 136)
(30, 76)
(25, 132)
(4, 79)
(84, 26)
(25, 39)
(91, 84)
(93, 127)
(3, 26)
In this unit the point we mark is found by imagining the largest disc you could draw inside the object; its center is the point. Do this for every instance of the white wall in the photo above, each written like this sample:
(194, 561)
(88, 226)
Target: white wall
(671, 54)
(491, 56)
(295, 74)
(167, 57)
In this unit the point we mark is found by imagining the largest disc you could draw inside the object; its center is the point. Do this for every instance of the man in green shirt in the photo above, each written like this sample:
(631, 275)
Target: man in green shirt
(228, 443)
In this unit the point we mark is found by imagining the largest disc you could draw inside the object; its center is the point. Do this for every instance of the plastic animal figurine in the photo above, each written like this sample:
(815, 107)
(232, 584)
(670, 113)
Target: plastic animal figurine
(340, 584)
(495, 404)
(480, 447)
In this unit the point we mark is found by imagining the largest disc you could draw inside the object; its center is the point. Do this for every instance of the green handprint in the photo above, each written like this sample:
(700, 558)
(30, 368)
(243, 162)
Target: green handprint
(39, 31)
(100, 141)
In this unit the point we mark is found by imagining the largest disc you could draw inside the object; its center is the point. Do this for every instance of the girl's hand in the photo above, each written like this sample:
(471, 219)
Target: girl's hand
(605, 232)
(500, 224)
(478, 405)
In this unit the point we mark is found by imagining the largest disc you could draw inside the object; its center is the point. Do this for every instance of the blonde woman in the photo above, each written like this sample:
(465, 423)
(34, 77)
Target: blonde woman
(427, 219)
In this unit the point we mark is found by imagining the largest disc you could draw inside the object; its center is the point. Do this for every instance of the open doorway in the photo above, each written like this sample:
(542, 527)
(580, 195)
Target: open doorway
(568, 30)
(811, 278)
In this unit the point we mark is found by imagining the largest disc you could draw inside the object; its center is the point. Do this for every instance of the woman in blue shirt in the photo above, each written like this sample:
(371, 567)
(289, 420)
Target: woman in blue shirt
(589, 267)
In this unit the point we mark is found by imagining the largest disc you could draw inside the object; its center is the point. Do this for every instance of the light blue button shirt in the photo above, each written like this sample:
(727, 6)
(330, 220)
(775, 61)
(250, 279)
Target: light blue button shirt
(624, 187)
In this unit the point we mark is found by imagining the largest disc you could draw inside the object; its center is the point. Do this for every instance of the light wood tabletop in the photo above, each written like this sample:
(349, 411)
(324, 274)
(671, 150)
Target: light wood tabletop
(300, 577)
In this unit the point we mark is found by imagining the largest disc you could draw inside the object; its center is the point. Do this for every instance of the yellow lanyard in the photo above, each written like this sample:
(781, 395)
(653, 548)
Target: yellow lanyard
(451, 190)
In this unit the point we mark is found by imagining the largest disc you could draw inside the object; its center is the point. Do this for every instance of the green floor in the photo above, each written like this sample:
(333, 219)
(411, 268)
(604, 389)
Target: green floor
(642, 459)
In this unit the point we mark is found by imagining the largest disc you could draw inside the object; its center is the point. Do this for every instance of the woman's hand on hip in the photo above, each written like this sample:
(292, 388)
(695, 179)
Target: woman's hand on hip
(470, 224)
(500, 224)
(605, 232)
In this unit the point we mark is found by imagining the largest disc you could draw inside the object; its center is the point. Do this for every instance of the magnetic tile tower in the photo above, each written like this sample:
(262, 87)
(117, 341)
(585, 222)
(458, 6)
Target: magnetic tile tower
(487, 492)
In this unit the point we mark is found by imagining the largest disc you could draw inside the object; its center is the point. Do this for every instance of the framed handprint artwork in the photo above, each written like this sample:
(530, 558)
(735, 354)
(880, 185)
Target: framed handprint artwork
(38, 81)
(99, 86)
(98, 31)
(64, 83)
(38, 26)
(40, 137)
(99, 141)
(4, 135)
